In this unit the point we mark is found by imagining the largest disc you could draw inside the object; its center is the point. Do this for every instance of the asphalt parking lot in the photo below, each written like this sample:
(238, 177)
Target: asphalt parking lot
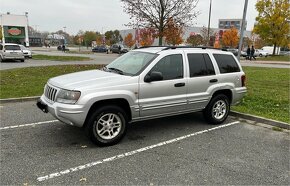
(185, 150)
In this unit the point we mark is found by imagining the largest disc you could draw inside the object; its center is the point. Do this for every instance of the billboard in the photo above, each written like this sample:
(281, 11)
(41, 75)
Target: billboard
(14, 32)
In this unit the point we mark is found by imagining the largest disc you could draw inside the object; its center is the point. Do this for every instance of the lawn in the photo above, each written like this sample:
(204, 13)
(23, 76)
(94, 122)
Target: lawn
(268, 88)
(268, 93)
(285, 58)
(30, 81)
(60, 58)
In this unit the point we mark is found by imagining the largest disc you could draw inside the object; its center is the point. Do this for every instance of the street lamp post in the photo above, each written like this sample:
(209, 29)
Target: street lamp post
(208, 27)
(242, 29)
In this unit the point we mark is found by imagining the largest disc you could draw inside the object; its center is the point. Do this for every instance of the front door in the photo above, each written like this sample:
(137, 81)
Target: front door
(167, 96)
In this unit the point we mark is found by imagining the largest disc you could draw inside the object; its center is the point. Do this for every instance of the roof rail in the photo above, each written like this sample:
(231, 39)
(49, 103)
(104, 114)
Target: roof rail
(175, 47)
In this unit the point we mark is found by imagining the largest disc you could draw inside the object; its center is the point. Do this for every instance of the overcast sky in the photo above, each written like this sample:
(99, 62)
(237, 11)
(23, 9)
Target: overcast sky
(104, 15)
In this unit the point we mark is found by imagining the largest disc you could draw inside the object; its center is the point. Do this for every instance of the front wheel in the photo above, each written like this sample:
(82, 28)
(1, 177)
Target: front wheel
(217, 110)
(107, 125)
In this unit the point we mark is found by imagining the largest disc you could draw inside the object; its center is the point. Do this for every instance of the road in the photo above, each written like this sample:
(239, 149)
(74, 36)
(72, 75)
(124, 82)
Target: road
(103, 58)
(47, 152)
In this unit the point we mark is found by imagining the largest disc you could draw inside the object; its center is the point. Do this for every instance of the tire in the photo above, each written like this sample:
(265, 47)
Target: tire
(102, 128)
(261, 55)
(217, 110)
(22, 60)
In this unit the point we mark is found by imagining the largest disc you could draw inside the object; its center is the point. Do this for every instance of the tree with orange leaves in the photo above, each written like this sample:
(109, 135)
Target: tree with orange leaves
(129, 40)
(147, 36)
(230, 38)
(173, 33)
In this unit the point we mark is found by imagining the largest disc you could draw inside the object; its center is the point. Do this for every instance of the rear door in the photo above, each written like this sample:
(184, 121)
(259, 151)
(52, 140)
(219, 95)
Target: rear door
(201, 77)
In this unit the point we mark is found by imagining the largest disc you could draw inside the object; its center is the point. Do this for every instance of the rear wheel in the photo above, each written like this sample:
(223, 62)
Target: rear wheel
(22, 60)
(217, 110)
(107, 125)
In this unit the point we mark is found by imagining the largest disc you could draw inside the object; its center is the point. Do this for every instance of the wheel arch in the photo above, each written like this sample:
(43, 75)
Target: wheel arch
(226, 92)
(120, 102)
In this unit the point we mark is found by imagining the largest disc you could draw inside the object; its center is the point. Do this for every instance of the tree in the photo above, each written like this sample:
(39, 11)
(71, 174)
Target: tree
(146, 36)
(195, 40)
(157, 13)
(113, 37)
(272, 21)
(173, 33)
(89, 36)
(230, 38)
(204, 35)
(129, 40)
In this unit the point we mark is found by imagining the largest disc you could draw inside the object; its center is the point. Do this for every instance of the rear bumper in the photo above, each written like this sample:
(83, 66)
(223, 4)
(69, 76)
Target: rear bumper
(238, 95)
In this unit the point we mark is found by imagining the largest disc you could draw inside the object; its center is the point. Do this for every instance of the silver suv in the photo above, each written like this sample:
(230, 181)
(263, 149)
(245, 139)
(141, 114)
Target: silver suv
(11, 51)
(143, 84)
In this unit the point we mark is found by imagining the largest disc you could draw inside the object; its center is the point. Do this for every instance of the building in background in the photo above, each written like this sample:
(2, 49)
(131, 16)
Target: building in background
(14, 28)
(228, 23)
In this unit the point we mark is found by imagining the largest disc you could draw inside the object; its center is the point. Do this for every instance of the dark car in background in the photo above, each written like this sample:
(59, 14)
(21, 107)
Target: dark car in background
(101, 48)
(117, 48)
(60, 48)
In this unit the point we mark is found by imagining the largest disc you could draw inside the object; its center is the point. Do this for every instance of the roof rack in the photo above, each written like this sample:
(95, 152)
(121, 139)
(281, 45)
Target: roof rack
(175, 47)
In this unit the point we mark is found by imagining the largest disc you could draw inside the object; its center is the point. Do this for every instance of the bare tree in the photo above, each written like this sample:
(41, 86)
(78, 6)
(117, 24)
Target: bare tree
(157, 13)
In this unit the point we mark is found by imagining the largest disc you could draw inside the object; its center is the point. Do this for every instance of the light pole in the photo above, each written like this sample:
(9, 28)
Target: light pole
(208, 27)
(242, 29)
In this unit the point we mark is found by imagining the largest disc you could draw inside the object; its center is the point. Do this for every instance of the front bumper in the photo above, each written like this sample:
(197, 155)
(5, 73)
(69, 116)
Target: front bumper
(70, 114)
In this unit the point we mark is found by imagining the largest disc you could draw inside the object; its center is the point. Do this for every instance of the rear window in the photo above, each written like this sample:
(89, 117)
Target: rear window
(12, 47)
(226, 63)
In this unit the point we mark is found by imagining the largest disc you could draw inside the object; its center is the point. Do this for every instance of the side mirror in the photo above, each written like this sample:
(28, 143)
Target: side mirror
(153, 76)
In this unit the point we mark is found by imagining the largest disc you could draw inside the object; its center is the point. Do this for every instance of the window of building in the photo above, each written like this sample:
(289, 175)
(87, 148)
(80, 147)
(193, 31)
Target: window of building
(226, 63)
(170, 66)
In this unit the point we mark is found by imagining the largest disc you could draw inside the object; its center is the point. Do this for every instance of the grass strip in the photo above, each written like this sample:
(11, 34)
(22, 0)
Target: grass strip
(285, 58)
(60, 58)
(24, 82)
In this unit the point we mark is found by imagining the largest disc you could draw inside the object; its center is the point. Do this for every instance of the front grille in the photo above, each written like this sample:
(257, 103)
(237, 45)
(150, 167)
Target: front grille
(50, 92)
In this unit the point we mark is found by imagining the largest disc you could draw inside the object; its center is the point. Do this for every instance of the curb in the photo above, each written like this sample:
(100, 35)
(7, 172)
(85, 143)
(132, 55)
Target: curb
(17, 100)
(232, 113)
(259, 119)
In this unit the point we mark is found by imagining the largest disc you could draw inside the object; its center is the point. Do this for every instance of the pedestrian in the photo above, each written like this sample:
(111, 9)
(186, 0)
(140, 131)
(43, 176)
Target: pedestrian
(248, 52)
(63, 48)
(252, 53)
(119, 48)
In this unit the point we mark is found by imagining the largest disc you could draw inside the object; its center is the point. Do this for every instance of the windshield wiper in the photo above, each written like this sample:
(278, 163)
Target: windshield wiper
(116, 70)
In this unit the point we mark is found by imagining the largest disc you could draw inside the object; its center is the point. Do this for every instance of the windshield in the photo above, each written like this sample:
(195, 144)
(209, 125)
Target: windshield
(131, 63)
(12, 47)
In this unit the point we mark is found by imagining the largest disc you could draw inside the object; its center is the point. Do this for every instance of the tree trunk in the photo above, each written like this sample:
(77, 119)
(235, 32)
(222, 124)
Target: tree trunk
(160, 40)
(274, 49)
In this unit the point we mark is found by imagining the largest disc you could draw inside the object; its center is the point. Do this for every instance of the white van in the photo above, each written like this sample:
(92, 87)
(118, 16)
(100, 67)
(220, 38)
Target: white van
(270, 49)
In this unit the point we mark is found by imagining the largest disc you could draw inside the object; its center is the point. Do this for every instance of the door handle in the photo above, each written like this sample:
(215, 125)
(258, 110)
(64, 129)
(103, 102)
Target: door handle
(213, 80)
(179, 84)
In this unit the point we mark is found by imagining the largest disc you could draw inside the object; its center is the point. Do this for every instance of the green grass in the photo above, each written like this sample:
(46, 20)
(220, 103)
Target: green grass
(285, 58)
(268, 93)
(268, 88)
(60, 58)
(30, 81)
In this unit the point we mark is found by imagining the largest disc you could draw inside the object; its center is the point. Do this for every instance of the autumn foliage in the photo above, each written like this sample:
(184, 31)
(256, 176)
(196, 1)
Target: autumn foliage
(230, 38)
(173, 33)
(195, 40)
(146, 36)
(129, 40)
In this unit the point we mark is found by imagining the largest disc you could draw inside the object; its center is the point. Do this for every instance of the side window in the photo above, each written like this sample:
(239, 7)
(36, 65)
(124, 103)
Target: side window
(200, 65)
(170, 66)
(226, 63)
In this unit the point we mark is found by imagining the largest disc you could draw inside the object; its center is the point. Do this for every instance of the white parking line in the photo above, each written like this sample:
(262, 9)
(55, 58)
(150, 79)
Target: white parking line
(74, 169)
(27, 125)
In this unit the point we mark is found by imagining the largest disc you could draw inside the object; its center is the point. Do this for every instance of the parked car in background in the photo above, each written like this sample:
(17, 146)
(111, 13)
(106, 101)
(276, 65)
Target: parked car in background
(118, 48)
(60, 48)
(101, 48)
(261, 53)
(10, 51)
(26, 52)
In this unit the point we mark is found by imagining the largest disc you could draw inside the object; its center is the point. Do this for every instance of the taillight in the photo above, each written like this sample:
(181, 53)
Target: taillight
(243, 78)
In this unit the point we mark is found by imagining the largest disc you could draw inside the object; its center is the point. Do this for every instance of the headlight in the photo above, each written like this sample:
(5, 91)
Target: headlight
(68, 96)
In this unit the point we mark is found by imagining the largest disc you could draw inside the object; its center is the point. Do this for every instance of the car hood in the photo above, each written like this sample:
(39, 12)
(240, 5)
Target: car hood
(88, 80)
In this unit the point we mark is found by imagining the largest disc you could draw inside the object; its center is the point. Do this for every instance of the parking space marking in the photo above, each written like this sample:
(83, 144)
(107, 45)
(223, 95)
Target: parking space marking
(88, 165)
(27, 125)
